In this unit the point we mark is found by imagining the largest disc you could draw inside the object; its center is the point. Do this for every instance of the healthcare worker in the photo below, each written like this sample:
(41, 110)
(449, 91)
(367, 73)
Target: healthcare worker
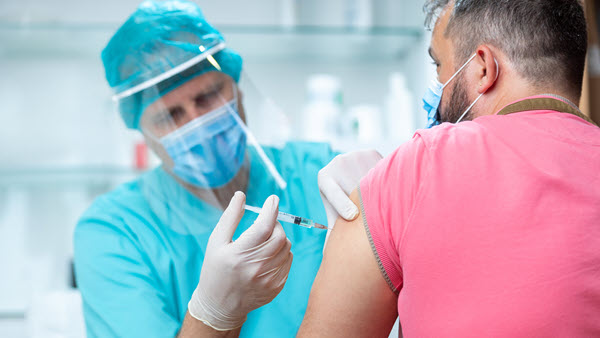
(143, 258)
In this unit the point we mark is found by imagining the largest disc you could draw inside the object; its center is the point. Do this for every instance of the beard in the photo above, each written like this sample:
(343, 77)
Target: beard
(459, 102)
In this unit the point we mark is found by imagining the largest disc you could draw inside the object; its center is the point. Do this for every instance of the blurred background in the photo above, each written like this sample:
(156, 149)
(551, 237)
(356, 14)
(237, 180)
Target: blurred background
(346, 71)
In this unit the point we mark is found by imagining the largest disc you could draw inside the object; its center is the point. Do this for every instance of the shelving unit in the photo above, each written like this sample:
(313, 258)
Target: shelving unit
(62, 177)
(54, 40)
(362, 56)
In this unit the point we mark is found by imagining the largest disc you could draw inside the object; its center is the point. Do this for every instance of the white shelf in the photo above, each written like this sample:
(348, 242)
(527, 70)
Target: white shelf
(266, 41)
(69, 176)
(310, 42)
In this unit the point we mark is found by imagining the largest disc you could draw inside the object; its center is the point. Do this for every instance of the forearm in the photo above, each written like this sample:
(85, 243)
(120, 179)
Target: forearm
(193, 328)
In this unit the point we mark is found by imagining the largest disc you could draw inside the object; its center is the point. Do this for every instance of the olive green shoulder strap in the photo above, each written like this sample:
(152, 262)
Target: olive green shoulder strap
(544, 103)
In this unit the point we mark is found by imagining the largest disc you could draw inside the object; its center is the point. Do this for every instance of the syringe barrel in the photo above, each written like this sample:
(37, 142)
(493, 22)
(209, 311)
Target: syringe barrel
(285, 217)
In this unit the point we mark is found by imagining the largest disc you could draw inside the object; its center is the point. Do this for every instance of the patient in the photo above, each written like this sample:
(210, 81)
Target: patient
(489, 227)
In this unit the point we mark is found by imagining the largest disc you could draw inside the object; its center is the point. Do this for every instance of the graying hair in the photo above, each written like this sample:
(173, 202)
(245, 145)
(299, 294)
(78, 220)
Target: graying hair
(546, 40)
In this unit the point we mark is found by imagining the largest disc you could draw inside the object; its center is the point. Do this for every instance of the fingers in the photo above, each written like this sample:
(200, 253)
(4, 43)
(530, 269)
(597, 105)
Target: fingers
(263, 227)
(223, 232)
(338, 198)
(275, 279)
(372, 157)
(276, 276)
(282, 274)
(277, 259)
(266, 250)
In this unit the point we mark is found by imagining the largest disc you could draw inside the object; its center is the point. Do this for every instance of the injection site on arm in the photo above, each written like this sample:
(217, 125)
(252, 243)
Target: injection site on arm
(365, 305)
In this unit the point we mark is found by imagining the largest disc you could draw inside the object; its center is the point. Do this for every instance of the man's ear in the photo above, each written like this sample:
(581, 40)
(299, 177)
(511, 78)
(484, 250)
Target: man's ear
(488, 68)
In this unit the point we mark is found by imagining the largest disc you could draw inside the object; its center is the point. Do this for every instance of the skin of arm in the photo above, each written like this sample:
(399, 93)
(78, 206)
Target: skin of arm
(193, 328)
(349, 297)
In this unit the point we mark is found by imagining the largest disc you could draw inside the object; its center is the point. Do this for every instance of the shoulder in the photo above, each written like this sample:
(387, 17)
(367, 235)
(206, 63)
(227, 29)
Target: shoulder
(113, 212)
(115, 203)
(449, 134)
(294, 155)
(312, 151)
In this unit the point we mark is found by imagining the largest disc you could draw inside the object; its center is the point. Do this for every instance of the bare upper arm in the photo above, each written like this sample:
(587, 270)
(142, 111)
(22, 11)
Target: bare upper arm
(350, 296)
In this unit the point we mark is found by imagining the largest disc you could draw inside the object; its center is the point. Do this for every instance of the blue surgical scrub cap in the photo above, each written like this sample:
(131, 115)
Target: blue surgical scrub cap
(157, 37)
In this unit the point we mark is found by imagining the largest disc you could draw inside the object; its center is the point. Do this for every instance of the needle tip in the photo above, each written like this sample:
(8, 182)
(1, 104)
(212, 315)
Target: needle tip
(321, 226)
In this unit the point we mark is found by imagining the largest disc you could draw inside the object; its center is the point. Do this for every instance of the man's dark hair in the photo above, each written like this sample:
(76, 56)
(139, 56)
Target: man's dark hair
(545, 40)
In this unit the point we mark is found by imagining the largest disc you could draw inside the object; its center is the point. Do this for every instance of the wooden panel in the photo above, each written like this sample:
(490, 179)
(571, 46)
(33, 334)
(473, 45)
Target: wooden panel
(590, 99)
(584, 102)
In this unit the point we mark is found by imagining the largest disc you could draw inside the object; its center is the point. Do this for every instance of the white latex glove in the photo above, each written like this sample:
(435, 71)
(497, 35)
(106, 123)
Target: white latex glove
(337, 181)
(238, 277)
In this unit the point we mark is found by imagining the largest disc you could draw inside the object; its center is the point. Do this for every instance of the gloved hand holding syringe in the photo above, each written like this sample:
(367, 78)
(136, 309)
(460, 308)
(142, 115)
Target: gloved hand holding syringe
(285, 217)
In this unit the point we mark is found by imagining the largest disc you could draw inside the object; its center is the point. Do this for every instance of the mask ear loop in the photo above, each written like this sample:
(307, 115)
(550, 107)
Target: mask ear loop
(480, 95)
(459, 70)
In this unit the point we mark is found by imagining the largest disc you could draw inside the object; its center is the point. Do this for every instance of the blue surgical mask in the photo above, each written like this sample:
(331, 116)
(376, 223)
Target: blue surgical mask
(208, 151)
(431, 102)
(433, 97)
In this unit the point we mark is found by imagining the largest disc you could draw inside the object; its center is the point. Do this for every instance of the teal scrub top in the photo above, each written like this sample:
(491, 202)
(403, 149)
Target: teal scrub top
(139, 249)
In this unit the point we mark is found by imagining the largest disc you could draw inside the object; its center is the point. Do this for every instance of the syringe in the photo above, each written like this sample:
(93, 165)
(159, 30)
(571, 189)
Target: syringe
(285, 217)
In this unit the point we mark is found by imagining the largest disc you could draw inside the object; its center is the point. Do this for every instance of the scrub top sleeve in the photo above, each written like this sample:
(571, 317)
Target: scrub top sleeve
(114, 278)
(388, 194)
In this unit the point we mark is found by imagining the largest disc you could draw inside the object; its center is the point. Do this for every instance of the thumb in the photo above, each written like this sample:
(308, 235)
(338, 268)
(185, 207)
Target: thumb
(223, 232)
(262, 228)
(337, 197)
(332, 214)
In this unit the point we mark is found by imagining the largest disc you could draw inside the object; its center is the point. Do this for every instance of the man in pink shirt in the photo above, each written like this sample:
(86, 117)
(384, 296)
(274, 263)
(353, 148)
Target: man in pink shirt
(485, 228)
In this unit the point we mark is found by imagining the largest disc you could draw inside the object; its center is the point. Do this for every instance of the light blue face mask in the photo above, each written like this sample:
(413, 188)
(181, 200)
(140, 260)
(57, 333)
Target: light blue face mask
(431, 102)
(433, 97)
(208, 151)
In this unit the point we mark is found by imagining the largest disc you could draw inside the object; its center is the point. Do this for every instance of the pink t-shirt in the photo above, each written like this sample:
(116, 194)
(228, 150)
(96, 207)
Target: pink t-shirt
(491, 228)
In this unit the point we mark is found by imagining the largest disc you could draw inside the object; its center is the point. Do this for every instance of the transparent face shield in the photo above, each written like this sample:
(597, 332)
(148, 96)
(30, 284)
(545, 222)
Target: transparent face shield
(195, 122)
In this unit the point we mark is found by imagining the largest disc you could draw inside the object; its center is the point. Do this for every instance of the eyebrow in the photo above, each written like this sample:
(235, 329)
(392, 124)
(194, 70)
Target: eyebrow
(220, 84)
(209, 91)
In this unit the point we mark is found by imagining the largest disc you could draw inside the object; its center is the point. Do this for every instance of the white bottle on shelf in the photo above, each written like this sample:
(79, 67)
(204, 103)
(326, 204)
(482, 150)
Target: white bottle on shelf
(319, 13)
(320, 118)
(399, 110)
(367, 124)
(359, 13)
(288, 13)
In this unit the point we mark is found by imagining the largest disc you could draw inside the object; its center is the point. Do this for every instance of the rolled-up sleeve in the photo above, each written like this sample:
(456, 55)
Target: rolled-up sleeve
(387, 196)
